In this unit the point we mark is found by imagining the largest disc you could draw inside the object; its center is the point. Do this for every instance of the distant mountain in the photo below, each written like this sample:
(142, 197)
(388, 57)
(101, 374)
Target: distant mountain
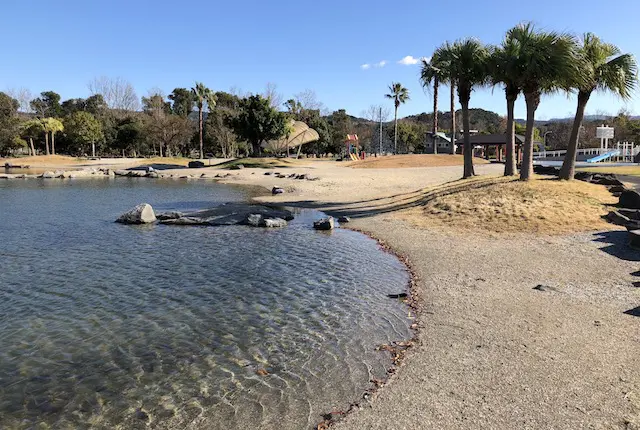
(479, 119)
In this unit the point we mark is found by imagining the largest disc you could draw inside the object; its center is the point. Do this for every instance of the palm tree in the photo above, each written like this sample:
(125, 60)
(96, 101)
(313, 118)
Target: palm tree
(606, 70)
(467, 64)
(505, 68)
(53, 126)
(550, 62)
(202, 95)
(400, 95)
(429, 74)
(438, 70)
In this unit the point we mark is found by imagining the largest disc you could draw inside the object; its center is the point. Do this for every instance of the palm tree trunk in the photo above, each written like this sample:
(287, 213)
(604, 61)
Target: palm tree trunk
(46, 142)
(53, 143)
(436, 83)
(200, 124)
(467, 150)
(33, 148)
(510, 162)
(395, 135)
(568, 169)
(526, 171)
(453, 118)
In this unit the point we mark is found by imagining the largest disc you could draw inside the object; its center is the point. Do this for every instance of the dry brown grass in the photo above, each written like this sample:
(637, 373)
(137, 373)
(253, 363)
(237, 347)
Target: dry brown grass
(412, 160)
(500, 205)
(42, 160)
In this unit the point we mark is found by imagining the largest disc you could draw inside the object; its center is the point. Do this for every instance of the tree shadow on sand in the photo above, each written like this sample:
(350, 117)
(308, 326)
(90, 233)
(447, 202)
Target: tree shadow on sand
(382, 205)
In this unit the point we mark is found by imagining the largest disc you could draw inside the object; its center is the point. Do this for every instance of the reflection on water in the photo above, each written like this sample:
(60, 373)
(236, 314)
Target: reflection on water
(110, 326)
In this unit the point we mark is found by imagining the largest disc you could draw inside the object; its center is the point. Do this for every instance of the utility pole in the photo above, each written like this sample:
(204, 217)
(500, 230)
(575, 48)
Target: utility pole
(380, 130)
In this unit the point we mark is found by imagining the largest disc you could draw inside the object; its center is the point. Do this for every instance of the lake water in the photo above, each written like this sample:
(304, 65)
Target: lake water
(104, 325)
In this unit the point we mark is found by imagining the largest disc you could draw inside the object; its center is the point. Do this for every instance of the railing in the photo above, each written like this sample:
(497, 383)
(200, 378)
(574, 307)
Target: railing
(627, 150)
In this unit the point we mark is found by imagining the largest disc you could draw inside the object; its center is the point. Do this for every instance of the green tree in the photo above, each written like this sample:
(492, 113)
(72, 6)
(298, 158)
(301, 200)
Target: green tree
(130, 136)
(83, 129)
(8, 123)
(47, 105)
(258, 122)
(31, 130)
(606, 69)
(182, 102)
(341, 125)
(467, 62)
(550, 61)
(399, 95)
(202, 96)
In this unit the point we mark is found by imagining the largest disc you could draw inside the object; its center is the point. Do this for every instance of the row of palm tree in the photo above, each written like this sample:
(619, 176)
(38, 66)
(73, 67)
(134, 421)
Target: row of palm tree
(532, 62)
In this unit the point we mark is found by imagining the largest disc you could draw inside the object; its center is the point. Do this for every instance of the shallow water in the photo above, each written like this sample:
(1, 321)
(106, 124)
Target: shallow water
(104, 325)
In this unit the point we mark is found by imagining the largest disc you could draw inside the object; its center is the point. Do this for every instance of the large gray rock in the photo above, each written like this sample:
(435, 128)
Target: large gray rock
(48, 175)
(630, 199)
(141, 214)
(273, 223)
(324, 224)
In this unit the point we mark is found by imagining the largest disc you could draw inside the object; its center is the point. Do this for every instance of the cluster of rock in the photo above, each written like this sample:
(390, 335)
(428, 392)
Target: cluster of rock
(146, 172)
(227, 214)
(301, 176)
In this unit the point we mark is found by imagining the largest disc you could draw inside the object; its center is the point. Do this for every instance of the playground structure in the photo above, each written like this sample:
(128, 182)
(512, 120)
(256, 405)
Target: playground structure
(622, 152)
(353, 147)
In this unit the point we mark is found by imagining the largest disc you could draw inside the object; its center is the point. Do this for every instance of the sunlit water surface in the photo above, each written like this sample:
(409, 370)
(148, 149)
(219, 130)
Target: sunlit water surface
(105, 325)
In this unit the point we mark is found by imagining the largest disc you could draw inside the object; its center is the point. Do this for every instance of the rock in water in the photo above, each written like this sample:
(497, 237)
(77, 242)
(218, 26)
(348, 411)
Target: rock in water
(630, 199)
(48, 175)
(344, 219)
(324, 224)
(141, 214)
(273, 223)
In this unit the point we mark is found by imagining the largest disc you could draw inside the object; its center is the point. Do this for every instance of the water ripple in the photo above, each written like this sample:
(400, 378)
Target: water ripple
(111, 326)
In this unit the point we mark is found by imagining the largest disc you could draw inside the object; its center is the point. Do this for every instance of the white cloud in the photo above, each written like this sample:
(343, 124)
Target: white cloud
(409, 60)
(381, 63)
(365, 66)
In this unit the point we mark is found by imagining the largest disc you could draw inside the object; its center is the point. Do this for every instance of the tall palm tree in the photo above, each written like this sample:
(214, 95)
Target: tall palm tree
(53, 126)
(467, 62)
(506, 67)
(606, 70)
(202, 95)
(551, 62)
(439, 68)
(400, 95)
(432, 74)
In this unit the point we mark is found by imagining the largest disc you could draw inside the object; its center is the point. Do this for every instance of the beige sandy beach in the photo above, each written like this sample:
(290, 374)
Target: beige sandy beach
(492, 352)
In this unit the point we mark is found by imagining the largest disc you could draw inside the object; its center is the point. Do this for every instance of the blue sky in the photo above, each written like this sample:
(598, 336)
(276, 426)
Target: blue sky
(319, 45)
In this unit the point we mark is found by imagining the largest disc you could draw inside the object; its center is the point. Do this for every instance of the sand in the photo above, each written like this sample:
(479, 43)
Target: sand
(492, 351)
